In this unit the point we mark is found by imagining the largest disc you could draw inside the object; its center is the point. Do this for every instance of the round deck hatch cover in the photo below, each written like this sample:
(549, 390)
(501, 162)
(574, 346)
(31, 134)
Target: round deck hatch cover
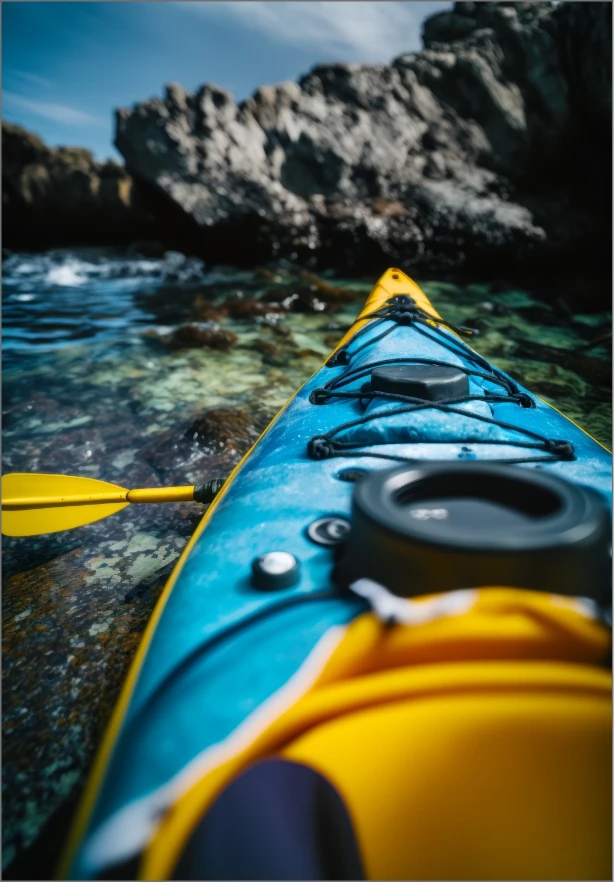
(423, 529)
(428, 382)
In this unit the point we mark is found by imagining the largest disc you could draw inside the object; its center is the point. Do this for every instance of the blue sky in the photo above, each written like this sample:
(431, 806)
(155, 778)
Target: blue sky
(67, 66)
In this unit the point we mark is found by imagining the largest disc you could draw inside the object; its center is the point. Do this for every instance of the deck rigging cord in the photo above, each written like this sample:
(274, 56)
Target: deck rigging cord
(402, 310)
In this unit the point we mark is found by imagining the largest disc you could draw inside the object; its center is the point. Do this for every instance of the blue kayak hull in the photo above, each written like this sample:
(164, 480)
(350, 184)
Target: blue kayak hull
(186, 692)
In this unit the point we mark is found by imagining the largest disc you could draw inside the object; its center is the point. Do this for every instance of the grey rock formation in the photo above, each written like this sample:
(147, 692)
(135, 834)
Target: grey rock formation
(489, 149)
(470, 152)
(63, 197)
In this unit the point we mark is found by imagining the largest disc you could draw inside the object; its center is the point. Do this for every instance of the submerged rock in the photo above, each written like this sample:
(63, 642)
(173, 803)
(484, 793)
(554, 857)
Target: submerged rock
(223, 427)
(265, 347)
(205, 311)
(330, 294)
(203, 334)
(298, 299)
(205, 447)
(247, 307)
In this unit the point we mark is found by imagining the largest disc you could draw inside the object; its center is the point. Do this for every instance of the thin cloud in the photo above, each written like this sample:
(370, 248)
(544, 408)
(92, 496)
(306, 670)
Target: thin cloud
(30, 78)
(367, 30)
(57, 112)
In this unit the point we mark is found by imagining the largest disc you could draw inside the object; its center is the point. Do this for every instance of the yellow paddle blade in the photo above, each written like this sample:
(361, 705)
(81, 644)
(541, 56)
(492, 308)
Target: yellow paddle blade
(35, 503)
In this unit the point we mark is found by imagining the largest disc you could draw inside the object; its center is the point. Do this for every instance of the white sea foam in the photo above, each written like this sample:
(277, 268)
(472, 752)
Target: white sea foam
(70, 269)
(66, 275)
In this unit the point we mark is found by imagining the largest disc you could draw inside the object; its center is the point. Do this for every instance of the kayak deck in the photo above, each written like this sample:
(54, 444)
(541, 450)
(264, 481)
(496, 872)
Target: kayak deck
(216, 649)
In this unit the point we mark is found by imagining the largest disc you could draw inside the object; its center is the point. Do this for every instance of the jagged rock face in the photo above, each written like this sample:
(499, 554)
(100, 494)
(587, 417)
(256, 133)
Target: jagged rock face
(469, 142)
(490, 148)
(496, 66)
(63, 196)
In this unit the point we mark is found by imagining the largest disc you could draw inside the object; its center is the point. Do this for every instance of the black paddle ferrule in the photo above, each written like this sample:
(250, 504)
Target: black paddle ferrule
(207, 492)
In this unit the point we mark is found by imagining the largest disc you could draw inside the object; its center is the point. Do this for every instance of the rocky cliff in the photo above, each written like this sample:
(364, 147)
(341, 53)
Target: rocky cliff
(490, 147)
(63, 197)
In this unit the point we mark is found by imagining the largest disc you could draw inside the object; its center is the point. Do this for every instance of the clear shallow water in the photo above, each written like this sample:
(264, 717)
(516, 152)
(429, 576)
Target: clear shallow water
(95, 384)
(53, 300)
(92, 333)
(95, 326)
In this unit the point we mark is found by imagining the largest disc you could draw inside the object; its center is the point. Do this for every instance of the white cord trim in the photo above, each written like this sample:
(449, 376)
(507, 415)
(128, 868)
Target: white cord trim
(391, 608)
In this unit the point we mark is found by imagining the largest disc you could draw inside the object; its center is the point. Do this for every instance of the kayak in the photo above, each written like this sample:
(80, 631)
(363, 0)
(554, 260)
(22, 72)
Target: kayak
(385, 651)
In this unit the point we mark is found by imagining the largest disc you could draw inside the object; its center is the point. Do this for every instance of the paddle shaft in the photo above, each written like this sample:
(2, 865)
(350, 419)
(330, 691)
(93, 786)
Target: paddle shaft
(34, 504)
(156, 494)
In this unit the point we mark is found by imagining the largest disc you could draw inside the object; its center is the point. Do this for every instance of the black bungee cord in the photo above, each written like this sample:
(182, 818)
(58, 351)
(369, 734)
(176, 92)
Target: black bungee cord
(402, 310)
